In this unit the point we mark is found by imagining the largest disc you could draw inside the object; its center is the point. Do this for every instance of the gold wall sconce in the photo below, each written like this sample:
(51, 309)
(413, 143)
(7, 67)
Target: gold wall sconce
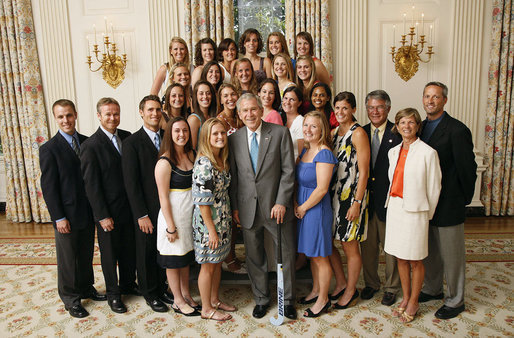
(112, 65)
(406, 58)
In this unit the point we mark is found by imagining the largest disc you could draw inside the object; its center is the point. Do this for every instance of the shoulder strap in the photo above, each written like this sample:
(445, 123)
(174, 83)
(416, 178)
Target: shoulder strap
(261, 65)
(167, 159)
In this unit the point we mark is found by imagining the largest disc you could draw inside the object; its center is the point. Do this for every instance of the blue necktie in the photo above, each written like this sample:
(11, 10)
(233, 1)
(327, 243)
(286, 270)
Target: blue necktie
(116, 144)
(157, 141)
(254, 151)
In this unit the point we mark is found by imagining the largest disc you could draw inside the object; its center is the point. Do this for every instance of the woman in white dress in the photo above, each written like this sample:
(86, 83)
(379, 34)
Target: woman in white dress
(173, 175)
(291, 102)
(415, 178)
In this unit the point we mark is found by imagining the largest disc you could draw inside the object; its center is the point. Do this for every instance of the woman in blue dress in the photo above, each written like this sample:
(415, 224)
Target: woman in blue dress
(313, 208)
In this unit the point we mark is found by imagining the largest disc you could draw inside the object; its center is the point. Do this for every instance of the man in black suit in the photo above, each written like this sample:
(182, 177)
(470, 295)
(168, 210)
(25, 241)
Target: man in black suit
(100, 159)
(140, 151)
(65, 197)
(381, 139)
(446, 252)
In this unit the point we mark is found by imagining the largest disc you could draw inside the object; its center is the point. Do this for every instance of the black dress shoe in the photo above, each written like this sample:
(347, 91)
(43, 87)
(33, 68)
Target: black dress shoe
(368, 292)
(194, 313)
(117, 305)
(337, 296)
(77, 311)
(167, 297)
(157, 305)
(446, 312)
(290, 312)
(308, 312)
(351, 303)
(388, 299)
(94, 295)
(425, 297)
(305, 301)
(130, 291)
(259, 311)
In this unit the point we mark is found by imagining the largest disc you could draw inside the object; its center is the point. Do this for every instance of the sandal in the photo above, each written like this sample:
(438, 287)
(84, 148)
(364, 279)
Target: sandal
(193, 313)
(222, 319)
(225, 307)
(398, 311)
(197, 307)
(240, 271)
(407, 318)
(309, 314)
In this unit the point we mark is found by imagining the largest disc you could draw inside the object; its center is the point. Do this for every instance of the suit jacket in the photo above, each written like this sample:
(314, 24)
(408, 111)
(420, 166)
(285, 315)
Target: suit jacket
(103, 175)
(378, 181)
(273, 182)
(421, 177)
(453, 142)
(138, 162)
(62, 184)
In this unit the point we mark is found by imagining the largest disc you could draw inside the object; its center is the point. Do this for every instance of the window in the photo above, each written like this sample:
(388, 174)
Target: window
(264, 15)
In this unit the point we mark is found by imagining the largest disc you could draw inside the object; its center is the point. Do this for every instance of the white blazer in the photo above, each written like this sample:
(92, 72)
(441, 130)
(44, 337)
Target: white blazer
(421, 177)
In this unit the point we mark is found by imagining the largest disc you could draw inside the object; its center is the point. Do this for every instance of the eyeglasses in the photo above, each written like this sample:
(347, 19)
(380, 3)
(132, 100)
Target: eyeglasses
(380, 108)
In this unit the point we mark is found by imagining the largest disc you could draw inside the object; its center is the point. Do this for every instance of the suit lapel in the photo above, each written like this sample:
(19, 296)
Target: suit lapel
(439, 130)
(66, 148)
(102, 137)
(263, 145)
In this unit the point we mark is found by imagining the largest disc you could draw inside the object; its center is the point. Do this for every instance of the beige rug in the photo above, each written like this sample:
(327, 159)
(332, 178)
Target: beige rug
(30, 306)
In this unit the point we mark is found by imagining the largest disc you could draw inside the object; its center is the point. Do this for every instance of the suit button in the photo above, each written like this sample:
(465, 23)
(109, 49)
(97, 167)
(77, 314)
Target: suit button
(372, 178)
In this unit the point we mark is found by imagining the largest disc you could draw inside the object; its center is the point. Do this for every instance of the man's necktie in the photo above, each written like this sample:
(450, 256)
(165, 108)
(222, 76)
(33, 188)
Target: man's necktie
(375, 146)
(75, 146)
(157, 141)
(254, 151)
(116, 144)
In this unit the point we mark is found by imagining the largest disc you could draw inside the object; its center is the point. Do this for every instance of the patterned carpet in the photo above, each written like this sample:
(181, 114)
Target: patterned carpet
(29, 304)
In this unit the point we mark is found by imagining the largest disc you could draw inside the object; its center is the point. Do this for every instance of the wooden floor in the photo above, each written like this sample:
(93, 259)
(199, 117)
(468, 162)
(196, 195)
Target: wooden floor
(45, 230)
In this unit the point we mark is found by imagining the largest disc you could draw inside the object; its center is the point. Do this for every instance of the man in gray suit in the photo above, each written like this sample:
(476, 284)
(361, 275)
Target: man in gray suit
(261, 195)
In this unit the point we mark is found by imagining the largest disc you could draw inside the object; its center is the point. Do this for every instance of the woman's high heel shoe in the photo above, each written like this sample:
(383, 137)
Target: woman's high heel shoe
(351, 303)
(309, 314)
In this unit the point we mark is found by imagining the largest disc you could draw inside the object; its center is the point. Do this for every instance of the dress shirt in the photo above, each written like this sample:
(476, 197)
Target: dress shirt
(258, 136)
(68, 138)
(381, 131)
(151, 134)
(110, 135)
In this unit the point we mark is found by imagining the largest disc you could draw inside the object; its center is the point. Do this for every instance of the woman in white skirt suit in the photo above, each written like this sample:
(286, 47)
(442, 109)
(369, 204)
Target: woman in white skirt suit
(415, 178)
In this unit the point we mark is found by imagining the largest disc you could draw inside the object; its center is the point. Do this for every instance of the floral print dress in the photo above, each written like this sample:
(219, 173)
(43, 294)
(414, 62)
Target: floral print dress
(344, 188)
(210, 187)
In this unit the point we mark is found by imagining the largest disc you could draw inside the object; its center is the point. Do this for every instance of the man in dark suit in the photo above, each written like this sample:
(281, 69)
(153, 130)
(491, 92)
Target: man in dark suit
(140, 151)
(381, 139)
(446, 252)
(65, 197)
(261, 196)
(100, 159)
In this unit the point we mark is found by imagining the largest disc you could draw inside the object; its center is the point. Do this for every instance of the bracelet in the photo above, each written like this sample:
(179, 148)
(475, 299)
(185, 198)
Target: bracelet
(358, 201)
(171, 233)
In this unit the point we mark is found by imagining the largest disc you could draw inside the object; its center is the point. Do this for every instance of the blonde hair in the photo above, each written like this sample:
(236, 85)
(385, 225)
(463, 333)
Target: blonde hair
(205, 147)
(306, 89)
(174, 68)
(171, 59)
(289, 66)
(325, 137)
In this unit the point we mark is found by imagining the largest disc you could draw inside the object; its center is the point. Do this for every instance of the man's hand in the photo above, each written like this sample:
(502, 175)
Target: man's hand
(278, 211)
(145, 224)
(235, 217)
(63, 226)
(107, 224)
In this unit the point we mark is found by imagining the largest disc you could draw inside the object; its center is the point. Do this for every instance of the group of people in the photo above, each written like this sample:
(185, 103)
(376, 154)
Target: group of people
(273, 156)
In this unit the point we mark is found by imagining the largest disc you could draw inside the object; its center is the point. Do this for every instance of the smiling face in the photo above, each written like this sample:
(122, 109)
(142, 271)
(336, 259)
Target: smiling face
(230, 54)
(377, 111)
(244, 72)
(176, 97)
(311, 129)
(250, 113)
(214, 75)
(180, 133)
(280, 66)
(218, 138)
(274, 45)
(302, 47)
(434, 101)
(204, 97)
(290, 103)
(267, 95)
(408, 127)
(207, 52)
(251, 44)
(344, 111)
(178, 50)
(181, 75)
(109, 117)
(319, 98)
(151, 115)
(66, 118)
(304, 70)
(228, 98)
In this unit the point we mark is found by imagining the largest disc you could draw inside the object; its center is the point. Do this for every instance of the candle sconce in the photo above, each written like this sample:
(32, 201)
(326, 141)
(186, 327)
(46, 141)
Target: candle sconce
(406, 58)
(112, 65)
